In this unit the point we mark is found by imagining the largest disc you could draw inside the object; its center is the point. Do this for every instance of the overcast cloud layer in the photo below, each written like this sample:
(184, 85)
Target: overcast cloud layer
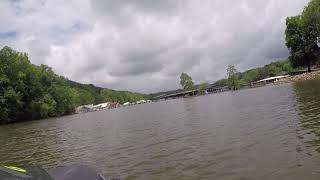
(143, 45)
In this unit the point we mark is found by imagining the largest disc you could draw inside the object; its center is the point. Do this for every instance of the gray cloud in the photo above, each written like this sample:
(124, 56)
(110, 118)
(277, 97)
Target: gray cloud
(144, 45)
(147, 6)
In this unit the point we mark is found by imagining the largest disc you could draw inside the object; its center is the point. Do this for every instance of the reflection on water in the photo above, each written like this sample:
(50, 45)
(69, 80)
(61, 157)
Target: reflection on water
(308, 101)
(264, 133)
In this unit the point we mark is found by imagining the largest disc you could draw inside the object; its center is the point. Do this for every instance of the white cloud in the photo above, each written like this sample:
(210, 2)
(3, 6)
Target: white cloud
(144, 45)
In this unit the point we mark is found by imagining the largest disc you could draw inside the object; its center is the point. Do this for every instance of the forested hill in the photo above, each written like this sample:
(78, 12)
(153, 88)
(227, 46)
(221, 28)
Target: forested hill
(30, 92)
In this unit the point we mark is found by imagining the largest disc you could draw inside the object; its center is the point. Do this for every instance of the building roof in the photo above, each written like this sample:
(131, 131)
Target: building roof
(272, 78)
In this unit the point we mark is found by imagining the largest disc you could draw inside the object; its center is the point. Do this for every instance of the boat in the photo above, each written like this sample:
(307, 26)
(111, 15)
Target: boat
(61, 173)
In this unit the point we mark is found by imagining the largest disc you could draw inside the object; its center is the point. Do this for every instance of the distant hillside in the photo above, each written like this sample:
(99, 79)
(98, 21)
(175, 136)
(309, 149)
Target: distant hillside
(273, 69)
(276, 68)
(30, 92)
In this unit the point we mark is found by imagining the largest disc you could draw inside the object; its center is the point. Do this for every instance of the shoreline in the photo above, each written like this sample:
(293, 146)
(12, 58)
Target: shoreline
(299, 77)
(291, 79)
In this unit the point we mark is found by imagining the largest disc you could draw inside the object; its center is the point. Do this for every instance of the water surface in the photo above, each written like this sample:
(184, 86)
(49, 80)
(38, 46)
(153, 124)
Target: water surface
(265, 133)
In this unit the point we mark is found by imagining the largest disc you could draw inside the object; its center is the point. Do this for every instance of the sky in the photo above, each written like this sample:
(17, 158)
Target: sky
(144, 45)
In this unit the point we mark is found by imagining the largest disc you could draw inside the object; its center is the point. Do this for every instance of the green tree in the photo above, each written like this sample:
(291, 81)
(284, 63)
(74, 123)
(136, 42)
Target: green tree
(250, 76)
(233, 78)
(44, 107)
(302, 36)
(186, 81)
(203, 88)
(273, 70)
(287, 67)
(120, 96)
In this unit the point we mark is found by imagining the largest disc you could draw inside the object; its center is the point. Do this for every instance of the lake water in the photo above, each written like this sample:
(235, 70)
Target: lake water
(271, 132)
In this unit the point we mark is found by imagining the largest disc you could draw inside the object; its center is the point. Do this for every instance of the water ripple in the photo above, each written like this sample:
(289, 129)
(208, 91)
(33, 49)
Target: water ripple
(264, 133)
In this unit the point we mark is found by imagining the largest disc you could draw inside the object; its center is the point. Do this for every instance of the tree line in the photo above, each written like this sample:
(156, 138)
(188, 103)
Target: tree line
(237, 79)
(31, 92)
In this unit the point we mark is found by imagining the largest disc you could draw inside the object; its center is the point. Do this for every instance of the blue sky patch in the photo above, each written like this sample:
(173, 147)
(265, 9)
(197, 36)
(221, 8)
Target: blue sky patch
(8, 35)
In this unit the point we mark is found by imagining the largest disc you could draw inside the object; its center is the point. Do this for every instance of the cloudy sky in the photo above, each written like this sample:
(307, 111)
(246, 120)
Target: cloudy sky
(143, 45)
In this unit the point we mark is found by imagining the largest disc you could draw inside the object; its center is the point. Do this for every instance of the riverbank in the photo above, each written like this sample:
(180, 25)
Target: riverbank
(300, 77)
